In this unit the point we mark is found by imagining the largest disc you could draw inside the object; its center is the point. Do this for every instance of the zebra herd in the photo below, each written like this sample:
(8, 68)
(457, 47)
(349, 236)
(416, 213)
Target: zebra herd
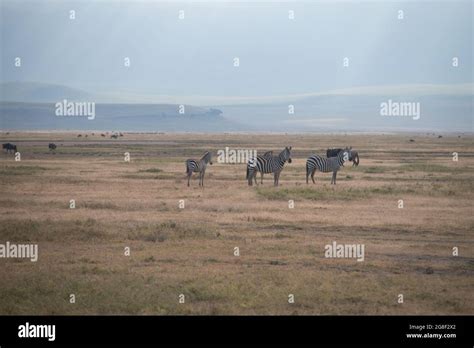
(264, 164)
(267, 163)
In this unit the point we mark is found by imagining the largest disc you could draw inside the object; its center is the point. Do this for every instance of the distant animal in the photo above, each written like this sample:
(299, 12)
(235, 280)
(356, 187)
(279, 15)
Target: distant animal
(114, 136)
(440, 136)
(79, 135)
(10, 148)
(354, 156)
(198, 166)
(326, 165)
(332, 152)
(102, 135)
(121, 134)
(52, 146)
(412, 140)
(268, 164)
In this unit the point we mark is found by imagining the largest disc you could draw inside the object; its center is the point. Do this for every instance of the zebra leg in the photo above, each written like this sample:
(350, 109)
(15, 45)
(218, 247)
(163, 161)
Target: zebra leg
(335, 175)
(261, 178)
(255, 178)
(189, 177)
(250, 177)
(312, 176)
(333, 179)
(202, 179)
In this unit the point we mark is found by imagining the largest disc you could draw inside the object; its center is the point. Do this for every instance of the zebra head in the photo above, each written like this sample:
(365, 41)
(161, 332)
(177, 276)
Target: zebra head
(285, 155)
(207, 157)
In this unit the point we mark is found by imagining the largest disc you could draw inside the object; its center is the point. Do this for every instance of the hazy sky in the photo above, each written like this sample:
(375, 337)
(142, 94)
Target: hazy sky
(194, 56)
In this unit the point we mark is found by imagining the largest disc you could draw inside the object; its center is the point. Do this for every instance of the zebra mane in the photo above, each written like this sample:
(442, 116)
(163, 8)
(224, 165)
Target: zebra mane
(268, 154)
(206, 157)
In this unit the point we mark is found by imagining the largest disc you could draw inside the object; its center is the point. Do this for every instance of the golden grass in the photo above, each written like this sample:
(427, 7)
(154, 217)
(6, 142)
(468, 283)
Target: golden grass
(190, 251)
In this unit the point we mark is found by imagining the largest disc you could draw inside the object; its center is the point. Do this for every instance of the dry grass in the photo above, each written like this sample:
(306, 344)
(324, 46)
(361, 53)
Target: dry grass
(191, 251)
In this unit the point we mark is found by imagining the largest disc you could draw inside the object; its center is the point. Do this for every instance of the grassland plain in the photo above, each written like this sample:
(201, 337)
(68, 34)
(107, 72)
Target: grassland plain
(190, 251)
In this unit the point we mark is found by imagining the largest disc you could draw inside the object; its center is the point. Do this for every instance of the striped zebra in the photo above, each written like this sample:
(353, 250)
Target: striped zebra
(267, 155)
(268, 164)
(194, 166)
(326, 165)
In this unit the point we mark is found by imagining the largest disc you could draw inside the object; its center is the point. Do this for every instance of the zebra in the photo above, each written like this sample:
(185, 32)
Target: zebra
(52, 146)
(267, 155)
(269, 164)
(198, 167)
(325, 165)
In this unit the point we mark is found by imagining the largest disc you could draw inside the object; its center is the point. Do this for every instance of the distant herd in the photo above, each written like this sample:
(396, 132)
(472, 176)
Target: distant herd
(263, 164)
